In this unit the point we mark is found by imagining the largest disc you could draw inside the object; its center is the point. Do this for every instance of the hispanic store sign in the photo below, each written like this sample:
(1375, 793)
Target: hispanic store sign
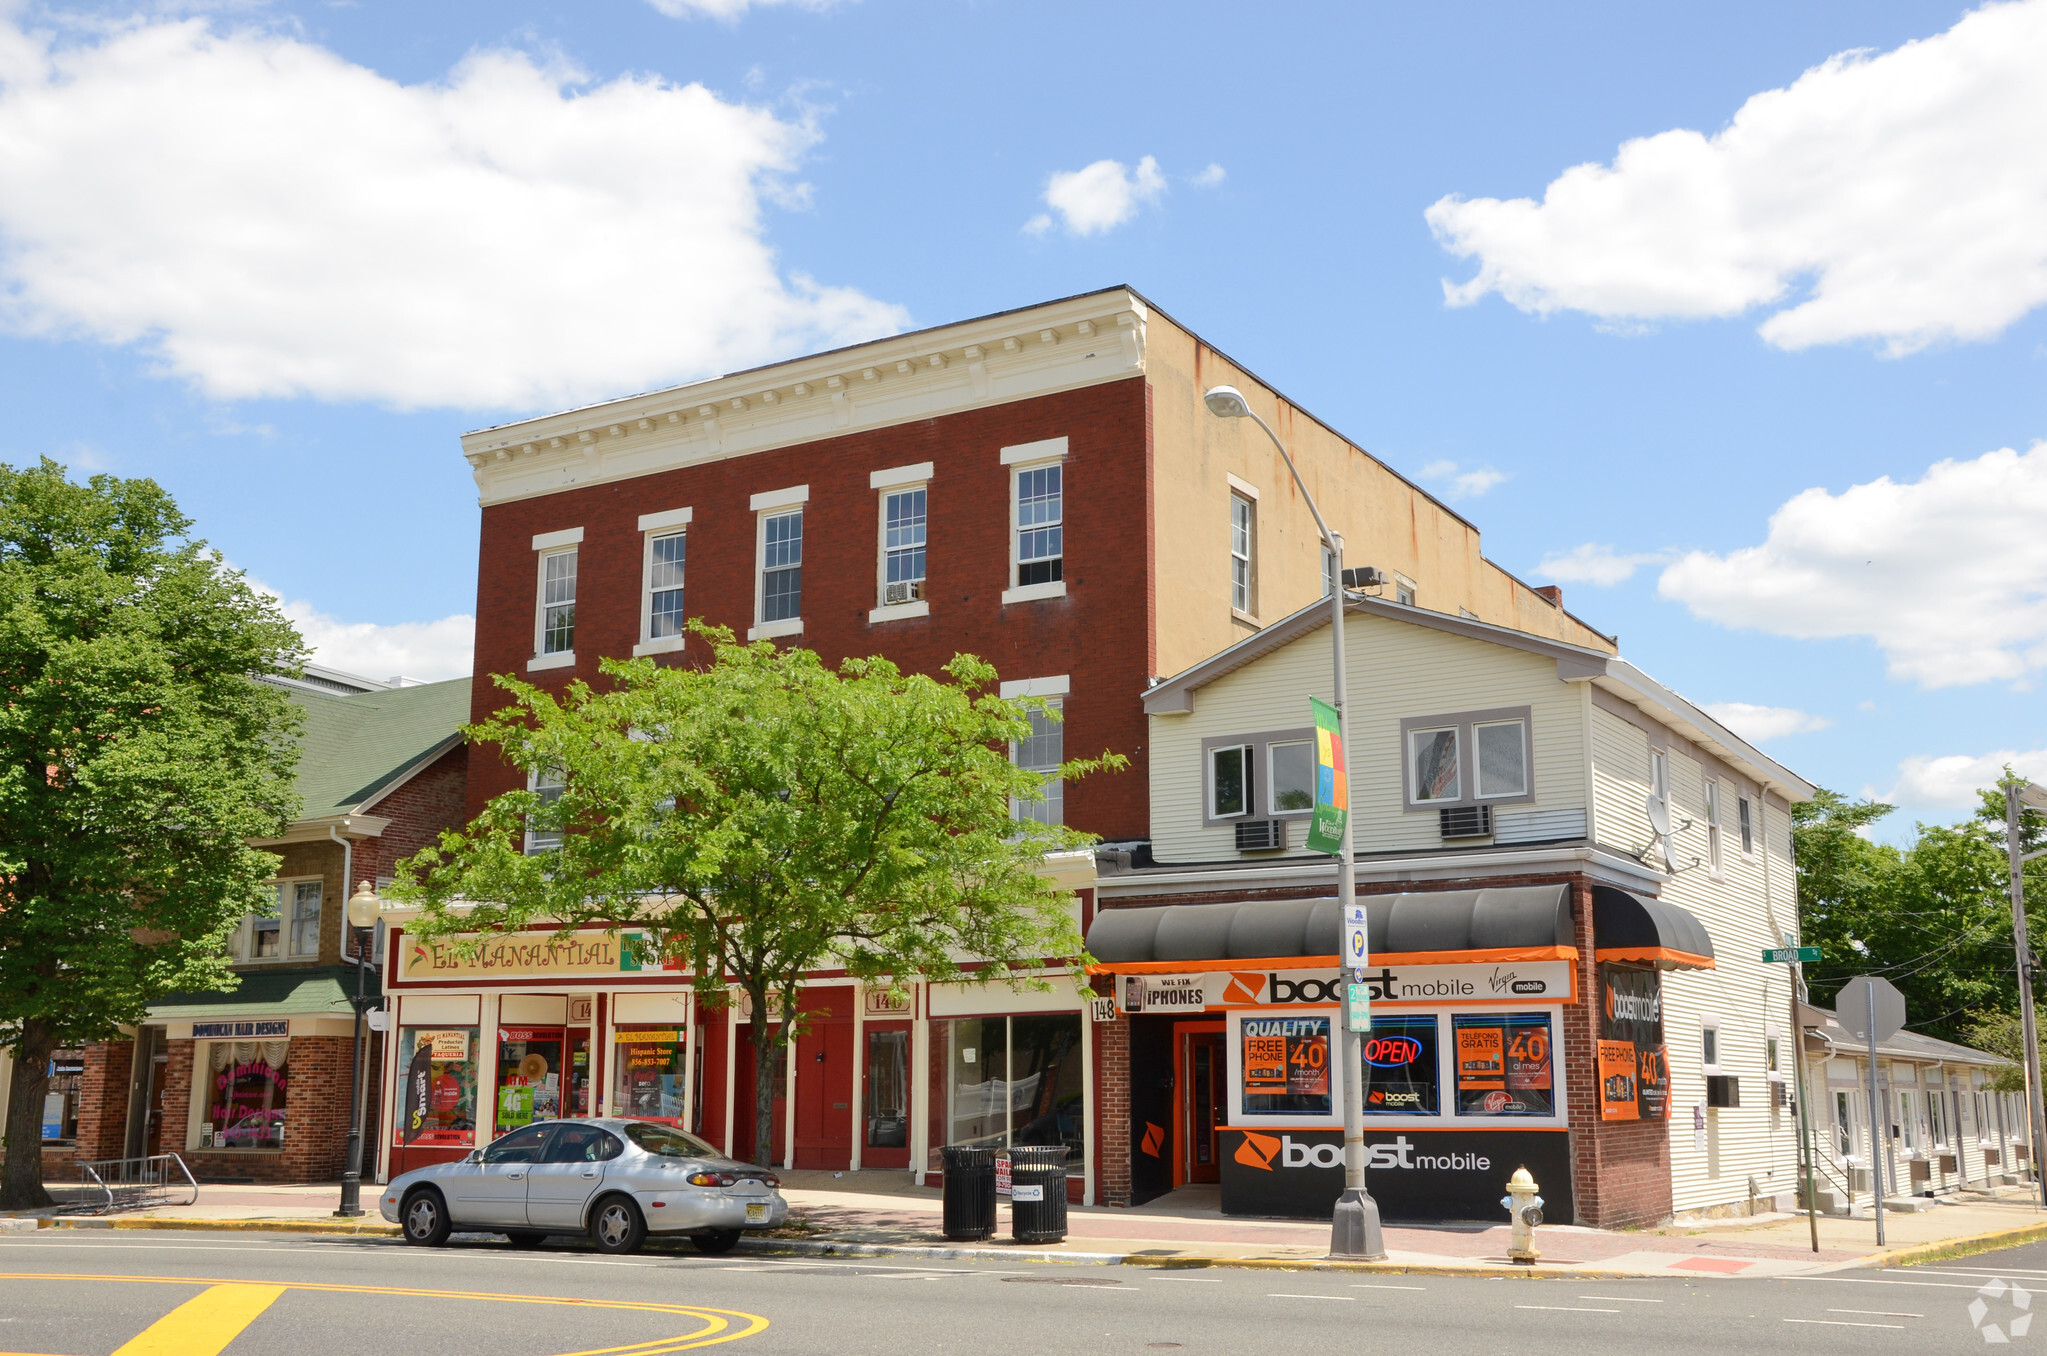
(534, 955)
(1502, 982)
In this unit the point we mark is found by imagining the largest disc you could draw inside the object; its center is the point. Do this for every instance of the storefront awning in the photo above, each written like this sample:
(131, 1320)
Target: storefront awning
(1626, 927)
(1523, 923)
(305, 992)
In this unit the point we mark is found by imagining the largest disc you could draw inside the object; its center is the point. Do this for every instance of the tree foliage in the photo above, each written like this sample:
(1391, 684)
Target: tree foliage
(137, 760)
(1933, 917)
(764, 817)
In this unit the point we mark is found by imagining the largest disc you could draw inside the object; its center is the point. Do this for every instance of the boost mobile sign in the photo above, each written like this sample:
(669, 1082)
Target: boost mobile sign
(1395, 986)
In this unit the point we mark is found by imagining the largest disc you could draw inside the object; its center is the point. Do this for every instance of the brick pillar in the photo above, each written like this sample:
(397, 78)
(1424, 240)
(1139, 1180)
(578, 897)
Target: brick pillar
(103, 1100)
(1620, 1170)
(177, 1097)
(1112, 1108)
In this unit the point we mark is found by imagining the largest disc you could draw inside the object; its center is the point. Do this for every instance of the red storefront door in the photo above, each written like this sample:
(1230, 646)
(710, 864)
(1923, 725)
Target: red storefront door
(824, 1093)
(885, 1096)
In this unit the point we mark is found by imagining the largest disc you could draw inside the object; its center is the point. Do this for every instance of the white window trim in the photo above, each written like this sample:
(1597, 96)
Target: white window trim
(675, 522)
(1023, 457)
(287, 887)
(1778, 1074)
(1248, 611)
(1755, 837)
(1414, 791)
(1246, 754)
(780, 499)
(788, 626)
(1719, 1063)
(1478, 791)
(1058, 686)
(1402, 584)
(905, 478)
(555, 544)
(533, 784)
(1716, 832)
(1243, 487)
(1272, 810)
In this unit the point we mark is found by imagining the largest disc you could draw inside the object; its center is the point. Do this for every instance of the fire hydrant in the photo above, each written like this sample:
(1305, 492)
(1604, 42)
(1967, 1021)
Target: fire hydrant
(1524, 1209)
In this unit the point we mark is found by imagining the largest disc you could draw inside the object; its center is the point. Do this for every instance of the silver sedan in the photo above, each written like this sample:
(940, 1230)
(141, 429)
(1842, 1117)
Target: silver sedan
(614, 1180)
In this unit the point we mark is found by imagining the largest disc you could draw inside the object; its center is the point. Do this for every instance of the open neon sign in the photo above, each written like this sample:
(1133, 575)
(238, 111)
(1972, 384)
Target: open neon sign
(1392, 1052)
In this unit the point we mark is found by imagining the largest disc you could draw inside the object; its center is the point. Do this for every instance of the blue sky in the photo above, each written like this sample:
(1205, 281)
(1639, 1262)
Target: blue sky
(1685, 318)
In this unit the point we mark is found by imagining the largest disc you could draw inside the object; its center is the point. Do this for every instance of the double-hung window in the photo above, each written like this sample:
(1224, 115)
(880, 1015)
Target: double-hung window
(1243, 542)
(1713, 834)
(1043, 751)
(299, 902)
(544, 836)
(1745, 813)
(779, 598)
(1037, 520)
(554, 621)
(661, 607)
(900, 573)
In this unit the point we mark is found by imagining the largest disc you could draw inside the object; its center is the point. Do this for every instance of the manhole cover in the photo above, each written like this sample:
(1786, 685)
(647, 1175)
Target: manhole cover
(1060, 1280)
(1157, 1346)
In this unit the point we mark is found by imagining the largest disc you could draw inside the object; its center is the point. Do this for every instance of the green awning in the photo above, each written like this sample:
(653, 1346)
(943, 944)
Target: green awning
(312, 992)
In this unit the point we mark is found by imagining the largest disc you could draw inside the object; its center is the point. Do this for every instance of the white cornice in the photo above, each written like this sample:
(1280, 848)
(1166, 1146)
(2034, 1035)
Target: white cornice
(1060, 346)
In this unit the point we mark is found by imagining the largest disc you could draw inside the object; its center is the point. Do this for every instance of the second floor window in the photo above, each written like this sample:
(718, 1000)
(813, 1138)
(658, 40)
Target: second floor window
(1043, 753)
(1748, 825)
(548, 787)
(902, 547)
(1437, 773)
(664, 585)
(782, 566)
(1040, 516)
(558, 602)
(299, 902)
(1240, 553)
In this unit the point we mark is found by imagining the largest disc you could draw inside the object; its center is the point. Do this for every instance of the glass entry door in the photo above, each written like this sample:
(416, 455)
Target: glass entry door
(1204, 1100)
(886, 1121)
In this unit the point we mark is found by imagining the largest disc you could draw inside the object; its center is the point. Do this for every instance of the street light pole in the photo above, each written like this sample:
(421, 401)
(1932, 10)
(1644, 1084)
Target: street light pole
(361, 920)
(2016, 790)
(1354, 1230)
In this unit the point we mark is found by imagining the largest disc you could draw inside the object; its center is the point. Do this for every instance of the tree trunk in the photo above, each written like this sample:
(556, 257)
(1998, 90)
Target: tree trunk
(763, 1083)
(21, 1183)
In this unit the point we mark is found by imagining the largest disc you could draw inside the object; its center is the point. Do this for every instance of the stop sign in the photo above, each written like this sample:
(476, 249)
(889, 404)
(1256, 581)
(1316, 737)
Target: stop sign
(1852, 1007)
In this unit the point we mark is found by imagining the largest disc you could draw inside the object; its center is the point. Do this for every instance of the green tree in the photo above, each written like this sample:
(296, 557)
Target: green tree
(764, 817)
(136, 761)
(2000, 1033)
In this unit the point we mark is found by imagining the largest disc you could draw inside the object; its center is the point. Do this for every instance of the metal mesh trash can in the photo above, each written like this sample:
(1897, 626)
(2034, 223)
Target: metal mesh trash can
(969, 1192)
(1037, 1193)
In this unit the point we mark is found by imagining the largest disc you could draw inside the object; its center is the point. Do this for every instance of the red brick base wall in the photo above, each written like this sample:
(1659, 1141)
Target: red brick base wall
(1112, 1108)
(102, 1111)
(316, 1124)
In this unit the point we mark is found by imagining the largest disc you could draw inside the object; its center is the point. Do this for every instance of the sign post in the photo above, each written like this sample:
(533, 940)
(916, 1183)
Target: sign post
(1357, 958)
(1873, 1009)
(1797, 957)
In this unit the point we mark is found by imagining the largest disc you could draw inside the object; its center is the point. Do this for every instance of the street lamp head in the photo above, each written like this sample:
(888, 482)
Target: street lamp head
(1226, 402)
(2033, 795)
(363, 907)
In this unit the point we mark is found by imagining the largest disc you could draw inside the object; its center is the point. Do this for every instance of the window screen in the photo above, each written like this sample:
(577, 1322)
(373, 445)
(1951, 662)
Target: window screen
(1502, 758)
(1400, 1067)
(1434, 759)
(1286, 1066)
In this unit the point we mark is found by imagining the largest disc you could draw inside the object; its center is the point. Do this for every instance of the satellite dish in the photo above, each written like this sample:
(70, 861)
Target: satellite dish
(1659, 815)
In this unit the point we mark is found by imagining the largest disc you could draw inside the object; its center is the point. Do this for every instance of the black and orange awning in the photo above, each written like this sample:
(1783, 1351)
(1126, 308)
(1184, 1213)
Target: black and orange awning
(1627, 927)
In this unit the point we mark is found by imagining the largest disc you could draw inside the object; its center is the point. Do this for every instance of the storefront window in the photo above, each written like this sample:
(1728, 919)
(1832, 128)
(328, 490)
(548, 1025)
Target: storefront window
(529, 1076)
(1286, 1066)
(437, 1102)
(649, 1066)
(888, 1089)
(1400, 1068)
(245, 1088)
(60, 1096)
(1016, 1081)
(1506, 1064)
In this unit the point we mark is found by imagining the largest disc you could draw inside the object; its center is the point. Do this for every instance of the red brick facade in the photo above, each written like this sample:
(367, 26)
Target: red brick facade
(316, 1138)
(1100, 633)
(102, 1111)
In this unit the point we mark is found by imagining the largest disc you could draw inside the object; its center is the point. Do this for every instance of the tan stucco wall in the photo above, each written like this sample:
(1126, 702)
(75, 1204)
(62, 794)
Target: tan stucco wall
(1385, 521)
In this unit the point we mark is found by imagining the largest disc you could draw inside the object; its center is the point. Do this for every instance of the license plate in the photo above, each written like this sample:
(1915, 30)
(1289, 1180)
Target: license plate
(757, 1214)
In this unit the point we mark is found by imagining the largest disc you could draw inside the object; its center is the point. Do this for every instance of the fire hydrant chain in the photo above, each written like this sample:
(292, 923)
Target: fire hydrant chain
(1524, 1209)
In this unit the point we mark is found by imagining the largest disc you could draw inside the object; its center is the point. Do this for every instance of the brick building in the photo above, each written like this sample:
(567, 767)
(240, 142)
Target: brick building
(1043, 488)
(252, 1085)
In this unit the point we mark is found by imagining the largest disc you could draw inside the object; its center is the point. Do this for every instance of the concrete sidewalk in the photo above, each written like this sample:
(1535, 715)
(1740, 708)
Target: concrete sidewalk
(877, 1213)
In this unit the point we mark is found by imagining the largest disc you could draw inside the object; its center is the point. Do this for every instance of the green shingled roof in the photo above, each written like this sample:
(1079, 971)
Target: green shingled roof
(357, 746)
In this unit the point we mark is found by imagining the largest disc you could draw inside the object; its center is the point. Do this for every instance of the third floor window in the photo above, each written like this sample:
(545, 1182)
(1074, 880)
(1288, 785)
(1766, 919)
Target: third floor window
(903, 547)
(1040, 513)
(558, 602)
(664, 585)
(782, 566)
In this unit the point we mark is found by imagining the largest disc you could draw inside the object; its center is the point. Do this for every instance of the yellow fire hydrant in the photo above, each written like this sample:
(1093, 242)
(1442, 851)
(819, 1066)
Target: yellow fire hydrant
(1524, 1209)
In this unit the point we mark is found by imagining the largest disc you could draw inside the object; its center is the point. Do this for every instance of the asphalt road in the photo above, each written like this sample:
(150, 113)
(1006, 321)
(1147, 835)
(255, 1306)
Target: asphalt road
(84, 1294)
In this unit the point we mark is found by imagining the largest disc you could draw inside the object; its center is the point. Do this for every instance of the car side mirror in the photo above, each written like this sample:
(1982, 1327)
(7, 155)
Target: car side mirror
(475, 1156)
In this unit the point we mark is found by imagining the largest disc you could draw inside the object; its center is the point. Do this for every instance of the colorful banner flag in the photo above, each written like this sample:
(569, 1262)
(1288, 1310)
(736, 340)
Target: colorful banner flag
(1332, 784)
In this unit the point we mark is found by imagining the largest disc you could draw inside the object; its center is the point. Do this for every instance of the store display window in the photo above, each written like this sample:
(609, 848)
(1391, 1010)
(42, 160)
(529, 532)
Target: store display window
(1014, 1080)
(1506, 1064)
(437, 1101)
(1400, 1066)
(245, 1086)
(529, 1084)
(1285, 1069)
(649, 1066)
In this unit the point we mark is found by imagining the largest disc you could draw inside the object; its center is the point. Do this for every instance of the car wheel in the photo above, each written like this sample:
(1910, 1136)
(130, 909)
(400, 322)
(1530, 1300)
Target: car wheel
(525, 1239)
(425, 1218)
(617, 1226)
(715, 1241)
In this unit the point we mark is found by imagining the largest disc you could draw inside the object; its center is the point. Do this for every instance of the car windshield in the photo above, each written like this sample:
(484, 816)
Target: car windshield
(666, 1141)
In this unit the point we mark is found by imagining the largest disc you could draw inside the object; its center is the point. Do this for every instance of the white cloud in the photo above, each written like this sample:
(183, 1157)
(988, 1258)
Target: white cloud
(1899, 197)
(1209, 177)
(1600, 566)
(1947, 574)
(1099, 198)
(430, 650)
(1952, 781)
(268, 219)
(1765, 722)
(1462, 484)
(728, 10)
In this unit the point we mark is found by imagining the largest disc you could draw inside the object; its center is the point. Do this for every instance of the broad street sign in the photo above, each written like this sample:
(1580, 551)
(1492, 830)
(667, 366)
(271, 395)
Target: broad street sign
(1808, 955)
(1357, 1007)
(1852, 1007)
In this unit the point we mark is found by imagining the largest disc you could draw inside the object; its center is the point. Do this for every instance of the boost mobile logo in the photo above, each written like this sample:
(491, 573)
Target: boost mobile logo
(1632, 1007)
(1258, 1151)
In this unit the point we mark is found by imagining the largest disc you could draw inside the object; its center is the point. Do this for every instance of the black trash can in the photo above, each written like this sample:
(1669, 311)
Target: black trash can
(969, 1192)
(1037, 1193)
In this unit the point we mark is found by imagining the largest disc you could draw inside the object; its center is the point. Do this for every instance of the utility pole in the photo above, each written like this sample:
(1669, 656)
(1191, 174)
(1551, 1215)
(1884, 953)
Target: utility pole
(2016, 789)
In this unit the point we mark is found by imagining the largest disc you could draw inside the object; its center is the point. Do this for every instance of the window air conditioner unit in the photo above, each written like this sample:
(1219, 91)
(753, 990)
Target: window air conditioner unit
(1723, 1090)
(1467, 821)
(903, 591)
(1261, 835)
(1858, 1180)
